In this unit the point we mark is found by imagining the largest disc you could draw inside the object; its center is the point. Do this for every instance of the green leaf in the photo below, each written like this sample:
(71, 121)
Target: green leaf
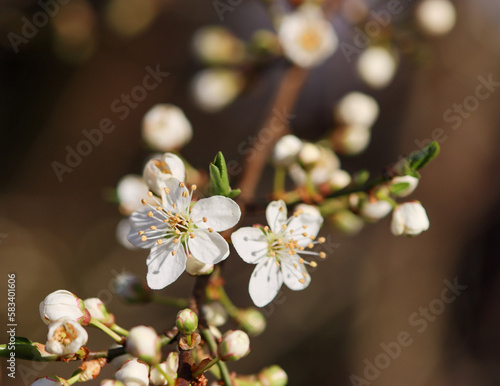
(399, 187)
(233, 193)
(361, 177)
(418, 159)
(219, 178)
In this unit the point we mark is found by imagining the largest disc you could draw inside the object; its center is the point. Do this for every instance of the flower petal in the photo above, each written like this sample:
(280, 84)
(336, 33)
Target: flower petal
(265, 282)
(175, 165)
(208, 247)
(142, 222)
(175, 190)
(221, 213)
(276, 217)
(250, 243)
(292, 275)
(312, 224)
(163, 267)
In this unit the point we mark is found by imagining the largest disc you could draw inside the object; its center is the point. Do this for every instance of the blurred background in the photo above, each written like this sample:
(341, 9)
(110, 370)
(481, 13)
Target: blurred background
(61, 234)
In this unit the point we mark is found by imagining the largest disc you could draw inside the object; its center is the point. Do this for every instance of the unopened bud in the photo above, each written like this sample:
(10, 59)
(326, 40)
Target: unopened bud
(286, 150)
(376, 210)
(273, 376)
(63, 304)
(235, 344)
(357, 108)
(131, 289)
(309, 155)
(187, 321)
(144, 343)
(252, 321)
(403, 186)
(215, 314)
(377, 66)
(133, 372)
(436, 17)
(346, 221)
(409, 219)
(91, 369)
(99, 311)
(170, 367)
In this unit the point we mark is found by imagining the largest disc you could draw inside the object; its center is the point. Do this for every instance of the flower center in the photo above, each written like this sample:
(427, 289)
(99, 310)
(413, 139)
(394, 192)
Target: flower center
(310, 39)
(65, 334)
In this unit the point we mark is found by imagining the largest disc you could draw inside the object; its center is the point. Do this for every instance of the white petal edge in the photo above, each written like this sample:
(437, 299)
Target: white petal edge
(275, 218)
(175, 165)
(292, 275)
(250, 244)
(163, 267)
(221, 213)
(265, 282)
(312, 223)
(208, 247)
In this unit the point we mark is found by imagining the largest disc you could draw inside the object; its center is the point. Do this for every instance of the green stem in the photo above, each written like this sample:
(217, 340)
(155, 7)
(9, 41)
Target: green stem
(120, 330)
(206, 367)
(168, 301)
(169, 379)
(231, 309)
(75, 378)
(212, 345)
(117, 338)
(279, 179)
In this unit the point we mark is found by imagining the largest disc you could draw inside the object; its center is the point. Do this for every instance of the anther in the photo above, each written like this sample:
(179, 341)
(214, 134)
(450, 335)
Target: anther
(302, 281)
(150, 194)
(173, 253)
(314, 264)
(278, 263)
(150, 214)
(205, 219)
(301, 261)
(184, 194)
(210, 230)
(176, 241)
(310, 245)
(144, 238)
(272, 253)
(284, 226)
(159, 208)
(266, 229)
(166, 190)
(159, 241)
(143, 202)
(321, 240)
(304, 234)
(152, 227)
(182, 185)
(193, 187)
(141, 233)
(281, 209)
(322, 255)
(174, 205)
(191, 235)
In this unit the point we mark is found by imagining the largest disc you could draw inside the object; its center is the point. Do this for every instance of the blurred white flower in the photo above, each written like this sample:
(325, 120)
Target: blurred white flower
(411, 181)
(307, 37)
(235, 344)
(309, 154)
(166, 128)
(436, 17)
(409, 219)
(174, 230)
(276, 250)
(339, 179)
(122, 230)
(144, 343)
(376, 210)
(286, 150)
(170, 366)
(214, 89)
(65, 337)
(321, 172)
(377, 66)
(130, 190)
(357, 108)
(158, 171)
(351, 139)
(99, 311)
(133, 373)
(218, 45)
(63, 304)
(215, 314)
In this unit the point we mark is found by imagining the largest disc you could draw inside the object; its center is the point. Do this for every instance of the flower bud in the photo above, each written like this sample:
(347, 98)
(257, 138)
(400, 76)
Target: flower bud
(410, 181)
(377, 66)
(170, 366)
(252, 321)
(166, 128)
(133, 372)
(186, 321)
(63, 304)
(339, 179)
(65, 336)
(99, 311)
(197, 268)
(131, 189)
(158, 171)
(409, 219)
(50, 380)
(91, 369)
(273, 376)
(130, 289)
(351, 139)
(436, 17)
(376, 210)
(215, 314)
(347, 222)
(309, 155)
(234, 345)
(214, 89)
(122, 230)
(357, 108)
(286, 150)
(111, 382)
(218, 45)
(144, 343)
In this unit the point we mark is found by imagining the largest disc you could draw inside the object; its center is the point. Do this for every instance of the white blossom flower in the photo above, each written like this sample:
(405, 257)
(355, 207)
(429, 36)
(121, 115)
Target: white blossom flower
(50, 380)
(307, 37)
(218, 45)
(176, 231)
(158, 171)
(273, 375)
(214, 89)
(377, 66)
(133, 373)
(286, 150)
(98, 311)
(376, 210)
(410, 180)
(436, 17)
(170, 366)
(309, 154)
(339, 179)
(65, 336)
(144, 343)
(277, 250)
(61, 304)
(322, 170)
(357, 108)
(130, 189)
(351, 139)
(166, 128)
(235, 344)
(409, 219)
(215, 314)
(121, 233)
